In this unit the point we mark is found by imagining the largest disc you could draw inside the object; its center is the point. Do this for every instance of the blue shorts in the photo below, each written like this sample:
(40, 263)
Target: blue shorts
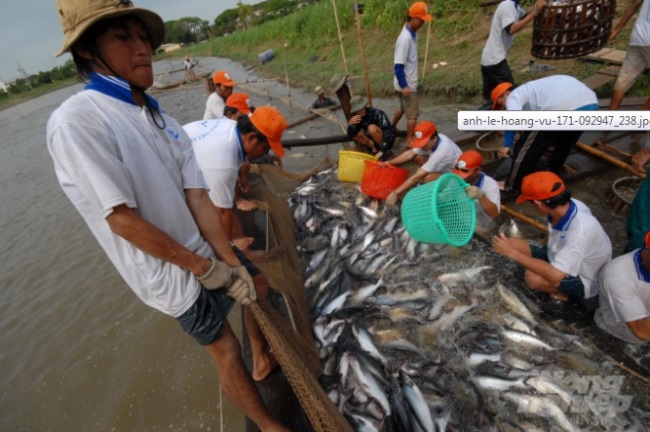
(570, 285)
(204, 319)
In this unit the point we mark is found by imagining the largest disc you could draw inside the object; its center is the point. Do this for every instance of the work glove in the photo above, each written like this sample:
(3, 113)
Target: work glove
(218, 275)
(391, 199)
(474, 192)
(242, 288)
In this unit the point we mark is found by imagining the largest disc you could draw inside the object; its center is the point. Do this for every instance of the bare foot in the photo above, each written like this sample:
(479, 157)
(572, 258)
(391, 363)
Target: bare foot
(243, 243)
(263, 365)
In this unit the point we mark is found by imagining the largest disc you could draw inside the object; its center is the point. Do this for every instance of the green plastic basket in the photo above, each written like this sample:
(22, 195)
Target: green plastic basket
(440, 212)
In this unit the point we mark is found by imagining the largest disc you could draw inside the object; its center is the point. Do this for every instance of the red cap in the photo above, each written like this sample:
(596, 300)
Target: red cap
(423, 133)
(419, 10)
(467, 163)
(539, 186)
(646, 240)
(498, 91)
(239, 101)
(271, 123)
(223, 78)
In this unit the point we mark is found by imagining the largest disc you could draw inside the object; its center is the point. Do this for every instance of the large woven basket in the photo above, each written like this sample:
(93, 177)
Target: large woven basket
(572, 28)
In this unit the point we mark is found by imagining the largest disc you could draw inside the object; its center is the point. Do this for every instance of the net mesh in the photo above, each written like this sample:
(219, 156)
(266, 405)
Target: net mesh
(292, 343)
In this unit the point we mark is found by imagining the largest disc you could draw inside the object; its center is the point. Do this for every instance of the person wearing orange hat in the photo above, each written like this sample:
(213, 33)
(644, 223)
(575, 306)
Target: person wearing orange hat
(238, 105)
(442, 156)
(130, 171)
(556, 92)
(577, 246)
(223, 87)
(508, 20)
(624, 309)
(483, 188)
(405, 66)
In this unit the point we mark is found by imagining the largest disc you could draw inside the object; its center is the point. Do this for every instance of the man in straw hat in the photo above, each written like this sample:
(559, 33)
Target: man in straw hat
(557, 92)
(223, 87)
(576, 249)
(508, 20)
(624, 309)
(322, 101)
(442, 156)
(405, 66)
(482, 188)
(370, 127)
(130, 171)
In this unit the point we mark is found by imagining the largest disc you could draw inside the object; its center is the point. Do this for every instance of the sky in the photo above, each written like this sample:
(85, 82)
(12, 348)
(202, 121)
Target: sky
(30, 30)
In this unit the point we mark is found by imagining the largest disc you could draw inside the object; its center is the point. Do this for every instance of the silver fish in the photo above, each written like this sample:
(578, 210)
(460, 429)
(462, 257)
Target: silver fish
(526, 339)
(543, 408)
(510, 229)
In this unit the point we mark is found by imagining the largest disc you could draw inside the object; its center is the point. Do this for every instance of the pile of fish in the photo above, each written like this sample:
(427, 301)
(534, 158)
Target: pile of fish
(424, 337)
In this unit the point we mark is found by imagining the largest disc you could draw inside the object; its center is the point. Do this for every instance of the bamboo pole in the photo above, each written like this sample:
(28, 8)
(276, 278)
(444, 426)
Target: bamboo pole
(363, 54)
(604, 156)
(524, 218)
(426, 50)
(338, 29)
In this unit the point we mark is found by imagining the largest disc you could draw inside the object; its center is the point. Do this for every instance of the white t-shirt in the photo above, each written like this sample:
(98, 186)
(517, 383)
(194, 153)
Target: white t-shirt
(444, 156)
(557, 92)
(624, 296)
(219, 152)
(641, 32)
(579, 246)
(214, 107)
(106, 153)
(499, 41)
(406, 53)
(490, 188)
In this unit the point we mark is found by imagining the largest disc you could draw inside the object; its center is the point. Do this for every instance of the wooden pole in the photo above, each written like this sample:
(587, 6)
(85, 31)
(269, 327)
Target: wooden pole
(524, 218)
(604, 156)
(363, 54)
(338, 29)
(426, 50)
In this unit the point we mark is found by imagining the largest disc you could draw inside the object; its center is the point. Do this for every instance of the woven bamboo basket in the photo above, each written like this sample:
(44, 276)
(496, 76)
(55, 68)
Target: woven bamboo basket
(572, 28)
(619, 198)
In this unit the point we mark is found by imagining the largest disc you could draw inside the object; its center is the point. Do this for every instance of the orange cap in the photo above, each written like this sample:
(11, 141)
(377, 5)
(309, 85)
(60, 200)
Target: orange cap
(467, 163)
(223, 78)
(271, 123)
(498, 91)
(539, 186)
(646, 240)
(423, 133)
(419, 10)
(239, 101)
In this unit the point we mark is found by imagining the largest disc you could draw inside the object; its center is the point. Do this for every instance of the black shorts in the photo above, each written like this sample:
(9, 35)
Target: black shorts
(205, 318)
(572, 286)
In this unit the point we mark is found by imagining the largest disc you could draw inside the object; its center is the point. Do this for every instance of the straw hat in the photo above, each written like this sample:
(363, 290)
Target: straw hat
(337, 81)
(357, 103)
(78, 15)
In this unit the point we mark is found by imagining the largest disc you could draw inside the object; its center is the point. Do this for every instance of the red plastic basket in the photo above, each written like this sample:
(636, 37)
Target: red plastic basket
(380, 179)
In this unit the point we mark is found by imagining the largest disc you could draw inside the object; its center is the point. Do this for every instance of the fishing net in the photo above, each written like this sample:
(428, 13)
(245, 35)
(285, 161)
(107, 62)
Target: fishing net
(292, 344)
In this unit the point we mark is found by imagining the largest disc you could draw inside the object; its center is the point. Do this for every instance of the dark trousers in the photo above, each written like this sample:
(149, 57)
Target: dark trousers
(530, 147)
(493, 76)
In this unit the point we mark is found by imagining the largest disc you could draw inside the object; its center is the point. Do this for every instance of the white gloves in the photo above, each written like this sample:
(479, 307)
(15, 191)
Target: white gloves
(474, 192)
(242, 288)
(391, 199)
(238, 283)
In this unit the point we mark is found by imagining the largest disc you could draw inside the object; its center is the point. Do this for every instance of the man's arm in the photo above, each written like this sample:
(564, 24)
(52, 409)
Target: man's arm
(640, 158)
(518, 26)
(411, 181)
(489, 207)
(402, 157)
(629, 12)
(210, 225)
(641, 328)
(150, 239)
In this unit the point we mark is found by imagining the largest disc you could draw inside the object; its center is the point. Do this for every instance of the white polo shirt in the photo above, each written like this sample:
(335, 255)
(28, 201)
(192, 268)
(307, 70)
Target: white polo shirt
(641, 32)
(499, 41)
(490, 188)
(107, 153)
(214, 107)
(557, 92)
(406, 53)
(219, 153)
(443, 157)
(624, 295)
(579, 246)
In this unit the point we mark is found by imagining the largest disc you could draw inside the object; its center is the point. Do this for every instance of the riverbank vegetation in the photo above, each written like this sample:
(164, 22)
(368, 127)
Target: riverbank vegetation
(308, 51)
